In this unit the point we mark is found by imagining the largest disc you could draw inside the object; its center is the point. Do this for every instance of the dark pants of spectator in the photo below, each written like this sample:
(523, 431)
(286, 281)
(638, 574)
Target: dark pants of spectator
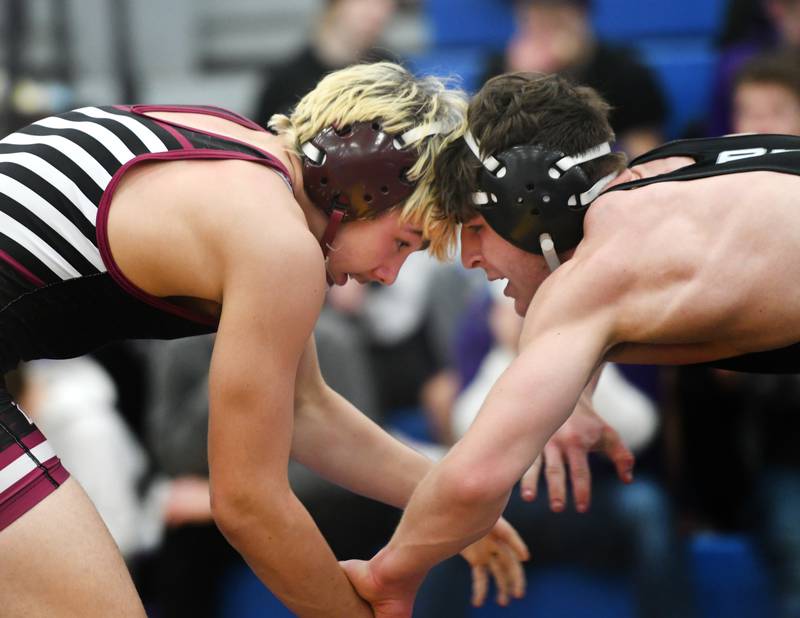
(189, 572)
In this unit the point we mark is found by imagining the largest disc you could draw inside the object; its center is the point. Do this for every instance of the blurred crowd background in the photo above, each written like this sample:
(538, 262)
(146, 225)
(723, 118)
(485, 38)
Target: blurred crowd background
(710, 527)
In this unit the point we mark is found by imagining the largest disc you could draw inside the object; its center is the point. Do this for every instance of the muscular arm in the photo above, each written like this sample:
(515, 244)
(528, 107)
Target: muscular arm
(565, 337)
(272, 290)
(336, 440)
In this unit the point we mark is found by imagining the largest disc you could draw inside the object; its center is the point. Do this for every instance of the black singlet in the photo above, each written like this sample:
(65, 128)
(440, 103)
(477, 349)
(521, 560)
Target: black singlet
(731, 155)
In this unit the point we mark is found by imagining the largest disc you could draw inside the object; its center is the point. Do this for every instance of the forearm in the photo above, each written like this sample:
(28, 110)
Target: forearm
(286, 551)
(463, 496)
(333, 438)
(441, 520)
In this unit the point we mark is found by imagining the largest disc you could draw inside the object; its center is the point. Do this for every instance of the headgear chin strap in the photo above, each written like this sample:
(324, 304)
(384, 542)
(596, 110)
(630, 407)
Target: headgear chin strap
(536, 198)
(359, 169)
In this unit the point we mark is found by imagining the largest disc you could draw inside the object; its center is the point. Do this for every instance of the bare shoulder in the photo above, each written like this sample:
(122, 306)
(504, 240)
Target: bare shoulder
(175, 227)
(626, 271)
(586, 293)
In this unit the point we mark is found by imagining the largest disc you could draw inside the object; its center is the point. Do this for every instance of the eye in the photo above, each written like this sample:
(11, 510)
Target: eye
(475, 229)
(401, 244)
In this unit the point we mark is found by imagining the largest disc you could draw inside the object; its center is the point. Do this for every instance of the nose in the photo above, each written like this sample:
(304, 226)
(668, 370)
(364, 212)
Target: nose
(471, 256)
(386, 273)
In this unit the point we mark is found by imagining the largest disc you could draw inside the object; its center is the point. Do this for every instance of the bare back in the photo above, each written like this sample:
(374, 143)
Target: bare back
(710, 264)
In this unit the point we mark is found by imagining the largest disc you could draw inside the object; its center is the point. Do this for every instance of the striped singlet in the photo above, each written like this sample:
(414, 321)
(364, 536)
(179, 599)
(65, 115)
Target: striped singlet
(61, 294)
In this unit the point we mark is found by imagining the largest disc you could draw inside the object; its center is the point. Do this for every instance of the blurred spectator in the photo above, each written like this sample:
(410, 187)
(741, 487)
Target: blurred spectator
(771, 25)
(556, 36)
(766, 94)
(629, 528)
(739, 465)
(126, 364)
(75, 402)
(408, 328)
(348, 31)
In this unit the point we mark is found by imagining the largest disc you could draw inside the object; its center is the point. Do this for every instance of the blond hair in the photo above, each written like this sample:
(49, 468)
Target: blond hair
(389, 92)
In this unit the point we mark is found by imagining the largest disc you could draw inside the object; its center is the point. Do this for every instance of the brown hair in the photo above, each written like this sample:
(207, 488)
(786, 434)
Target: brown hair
(524, 108)
(781, 68)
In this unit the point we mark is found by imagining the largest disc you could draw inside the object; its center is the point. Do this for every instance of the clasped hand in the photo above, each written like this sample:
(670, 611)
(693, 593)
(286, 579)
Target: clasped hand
(499, 554)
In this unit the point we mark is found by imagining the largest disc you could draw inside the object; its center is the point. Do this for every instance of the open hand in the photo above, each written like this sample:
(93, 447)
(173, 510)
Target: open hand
(500, 553)
(584, 431)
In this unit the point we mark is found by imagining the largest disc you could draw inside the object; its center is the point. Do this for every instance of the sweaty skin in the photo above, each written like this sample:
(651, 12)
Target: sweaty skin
(671, 273)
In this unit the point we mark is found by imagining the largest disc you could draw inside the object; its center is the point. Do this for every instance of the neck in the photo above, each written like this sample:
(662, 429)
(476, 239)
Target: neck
(625, 175)
(316, 219)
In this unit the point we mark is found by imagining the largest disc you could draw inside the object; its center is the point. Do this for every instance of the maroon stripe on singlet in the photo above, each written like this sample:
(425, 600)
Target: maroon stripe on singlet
(102, 226)
(29, 491)
(13, 451)
(273, 161)
(208, 110)
(21, 269)
(182, 139)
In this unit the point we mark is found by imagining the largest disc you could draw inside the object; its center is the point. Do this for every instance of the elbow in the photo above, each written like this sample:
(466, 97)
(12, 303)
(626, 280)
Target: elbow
(238, 510)
(472, 488)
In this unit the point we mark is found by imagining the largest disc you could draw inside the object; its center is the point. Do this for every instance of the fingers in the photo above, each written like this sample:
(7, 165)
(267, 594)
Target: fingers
(516, 573)
(506, 533)
(530, 481)
(556, 477)
(501, 582)
(509, 576)
(480, 585)
(581, 478)
(617, 452)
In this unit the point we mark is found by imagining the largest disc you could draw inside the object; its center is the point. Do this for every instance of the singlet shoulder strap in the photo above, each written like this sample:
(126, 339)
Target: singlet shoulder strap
(233, 144)
(722, 155)
(210, 110)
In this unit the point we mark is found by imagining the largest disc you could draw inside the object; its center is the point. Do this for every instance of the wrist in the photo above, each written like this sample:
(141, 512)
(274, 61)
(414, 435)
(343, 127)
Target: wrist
(389, 572)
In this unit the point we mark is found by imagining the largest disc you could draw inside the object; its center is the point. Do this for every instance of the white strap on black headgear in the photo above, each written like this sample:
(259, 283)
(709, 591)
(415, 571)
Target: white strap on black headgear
(549, 251)
(489, 162)
(587, 197)
(593, 153)
(494, 166)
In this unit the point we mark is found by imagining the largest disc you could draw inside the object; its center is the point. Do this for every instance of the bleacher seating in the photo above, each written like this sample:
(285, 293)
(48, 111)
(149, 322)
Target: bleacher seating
(623, 20)
(686, 75)
(486, 24)
(675, 38)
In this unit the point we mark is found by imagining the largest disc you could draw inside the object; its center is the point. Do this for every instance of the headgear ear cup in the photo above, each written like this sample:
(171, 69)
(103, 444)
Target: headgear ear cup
(528, 193)
(359, 168)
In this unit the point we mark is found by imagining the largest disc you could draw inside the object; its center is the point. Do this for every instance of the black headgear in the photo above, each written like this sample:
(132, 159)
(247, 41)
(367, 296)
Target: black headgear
(536, 198)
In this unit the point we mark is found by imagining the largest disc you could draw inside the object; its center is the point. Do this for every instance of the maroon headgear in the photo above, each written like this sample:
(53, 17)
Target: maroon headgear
(357, 169)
